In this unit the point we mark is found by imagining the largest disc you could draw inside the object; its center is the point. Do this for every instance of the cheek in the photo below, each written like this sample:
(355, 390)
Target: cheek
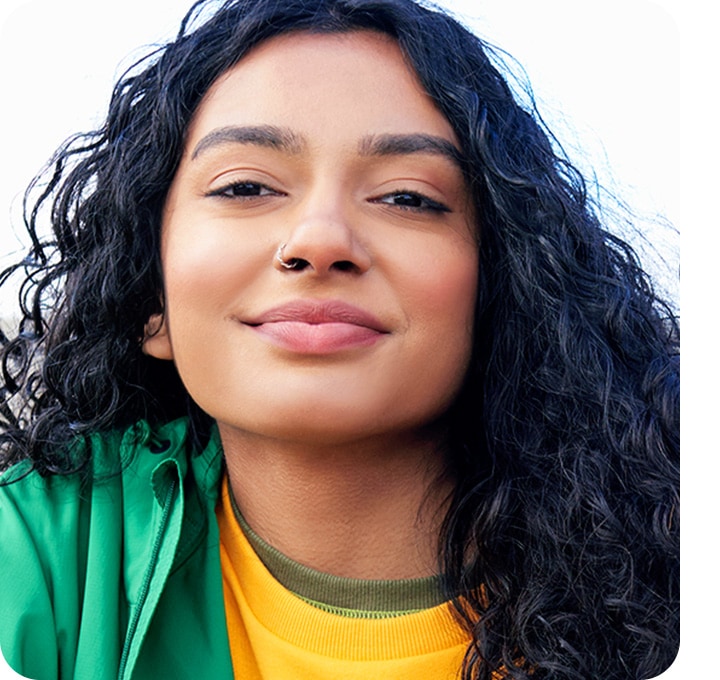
(444, 286)
(191, 263)
(203, 279)
(441, 290)
(207, 269)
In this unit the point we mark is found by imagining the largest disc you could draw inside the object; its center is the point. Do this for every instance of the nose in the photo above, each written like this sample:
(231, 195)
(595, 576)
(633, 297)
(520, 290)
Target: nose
(323, 241)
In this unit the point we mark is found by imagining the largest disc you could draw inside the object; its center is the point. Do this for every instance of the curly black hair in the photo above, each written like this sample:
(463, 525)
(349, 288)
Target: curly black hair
(565, 436)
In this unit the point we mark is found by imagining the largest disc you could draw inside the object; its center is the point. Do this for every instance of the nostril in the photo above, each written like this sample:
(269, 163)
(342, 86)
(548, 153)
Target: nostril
(296, 263)
(345, 266)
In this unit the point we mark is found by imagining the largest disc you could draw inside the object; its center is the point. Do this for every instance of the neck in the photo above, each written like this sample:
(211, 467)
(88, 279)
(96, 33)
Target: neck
(370, 510)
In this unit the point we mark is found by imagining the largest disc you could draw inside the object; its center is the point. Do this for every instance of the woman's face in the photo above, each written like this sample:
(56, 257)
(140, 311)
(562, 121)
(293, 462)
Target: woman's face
(328, 148)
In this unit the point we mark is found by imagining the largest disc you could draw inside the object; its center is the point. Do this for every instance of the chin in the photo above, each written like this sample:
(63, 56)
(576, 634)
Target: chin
(331, 425)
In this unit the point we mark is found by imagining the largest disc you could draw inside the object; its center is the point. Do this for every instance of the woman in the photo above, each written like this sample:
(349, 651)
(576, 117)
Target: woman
(324, 296)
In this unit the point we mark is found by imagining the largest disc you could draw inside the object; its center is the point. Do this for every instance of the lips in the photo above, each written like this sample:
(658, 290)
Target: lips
(318, 326)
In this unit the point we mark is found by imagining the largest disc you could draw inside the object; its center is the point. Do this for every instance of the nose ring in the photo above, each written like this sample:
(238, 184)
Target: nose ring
(292, 264)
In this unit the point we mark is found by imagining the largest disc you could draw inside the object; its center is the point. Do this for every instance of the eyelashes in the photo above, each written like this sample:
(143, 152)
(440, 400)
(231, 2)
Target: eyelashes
(412, 200)
(245, 190)
(406, 200)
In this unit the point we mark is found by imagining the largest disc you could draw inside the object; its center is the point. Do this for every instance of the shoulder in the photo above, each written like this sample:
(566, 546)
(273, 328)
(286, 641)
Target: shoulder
(45, 512)
(122, 462)
(42, 518)
(44, 538)
(66, 540)
(111, 454)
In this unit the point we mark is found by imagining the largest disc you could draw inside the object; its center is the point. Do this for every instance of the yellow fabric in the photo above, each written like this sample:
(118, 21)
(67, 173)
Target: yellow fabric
(275, 635)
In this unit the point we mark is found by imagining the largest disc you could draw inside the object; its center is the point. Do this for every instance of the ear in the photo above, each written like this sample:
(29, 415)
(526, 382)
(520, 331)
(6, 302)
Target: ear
(156, 340)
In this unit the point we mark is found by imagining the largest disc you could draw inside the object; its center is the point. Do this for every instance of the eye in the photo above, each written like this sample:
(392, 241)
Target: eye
(244, 190)
(412, 200)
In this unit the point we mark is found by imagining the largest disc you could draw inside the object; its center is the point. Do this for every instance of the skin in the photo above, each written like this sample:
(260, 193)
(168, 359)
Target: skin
(329, 145)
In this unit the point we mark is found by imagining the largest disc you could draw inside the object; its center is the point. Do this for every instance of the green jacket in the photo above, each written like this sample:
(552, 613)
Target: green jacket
(116, 574)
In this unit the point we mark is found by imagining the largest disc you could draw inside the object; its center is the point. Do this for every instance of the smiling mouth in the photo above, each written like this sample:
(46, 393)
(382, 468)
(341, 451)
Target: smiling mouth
(318, 327)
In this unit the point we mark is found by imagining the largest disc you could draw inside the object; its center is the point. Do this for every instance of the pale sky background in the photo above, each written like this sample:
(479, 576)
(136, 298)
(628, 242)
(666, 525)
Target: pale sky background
(624, 83)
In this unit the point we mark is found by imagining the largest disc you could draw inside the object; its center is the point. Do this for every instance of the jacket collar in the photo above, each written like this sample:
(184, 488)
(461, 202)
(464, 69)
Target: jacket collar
(168, 453)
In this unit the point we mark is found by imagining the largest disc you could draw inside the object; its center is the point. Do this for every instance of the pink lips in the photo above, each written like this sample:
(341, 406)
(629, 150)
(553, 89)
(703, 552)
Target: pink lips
(317, 326)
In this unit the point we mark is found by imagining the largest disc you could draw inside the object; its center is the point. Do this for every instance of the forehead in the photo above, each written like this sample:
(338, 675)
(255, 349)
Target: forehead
(324, 86)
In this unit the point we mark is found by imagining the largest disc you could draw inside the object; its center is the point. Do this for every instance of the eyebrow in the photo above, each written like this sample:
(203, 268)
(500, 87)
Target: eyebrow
(284, 139)
(270, 136)
(405, 144)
